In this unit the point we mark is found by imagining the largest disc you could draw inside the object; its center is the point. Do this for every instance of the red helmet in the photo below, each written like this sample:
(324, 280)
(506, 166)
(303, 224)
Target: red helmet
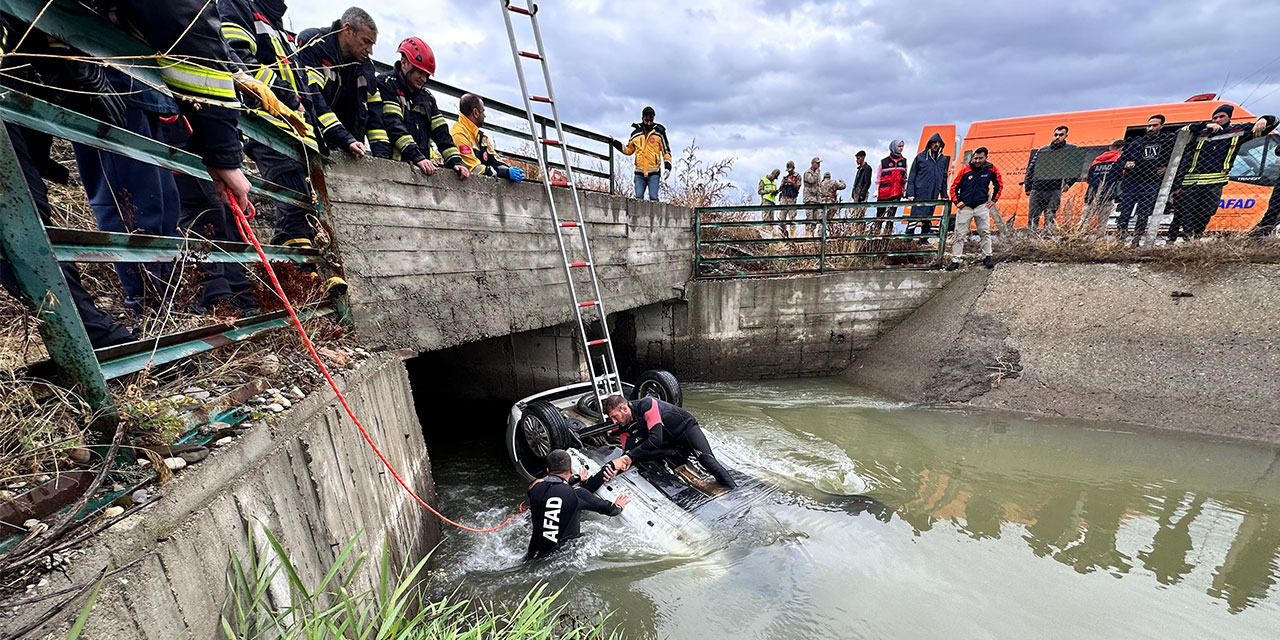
(419, 54)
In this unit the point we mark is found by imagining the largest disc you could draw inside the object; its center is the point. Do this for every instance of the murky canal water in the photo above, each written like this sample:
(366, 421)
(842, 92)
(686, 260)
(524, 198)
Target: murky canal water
(995, 526)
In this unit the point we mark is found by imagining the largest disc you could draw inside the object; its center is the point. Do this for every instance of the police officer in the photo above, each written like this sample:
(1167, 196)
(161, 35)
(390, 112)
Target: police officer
(556, 502)
(410, 114)
(658, 430)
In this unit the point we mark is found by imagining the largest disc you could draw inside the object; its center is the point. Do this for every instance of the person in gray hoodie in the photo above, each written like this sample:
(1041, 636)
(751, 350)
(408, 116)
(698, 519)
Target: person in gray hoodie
(927, 180)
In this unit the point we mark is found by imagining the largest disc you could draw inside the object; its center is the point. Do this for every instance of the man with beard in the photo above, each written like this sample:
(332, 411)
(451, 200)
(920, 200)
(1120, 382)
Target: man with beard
(341, 83)
(477, 152)
(975, 189)
(1046, 194)
(1143, 164)
(649, 145)
(410, 114)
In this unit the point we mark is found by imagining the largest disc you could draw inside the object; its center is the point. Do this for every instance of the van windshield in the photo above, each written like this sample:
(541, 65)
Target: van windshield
(1257, 162)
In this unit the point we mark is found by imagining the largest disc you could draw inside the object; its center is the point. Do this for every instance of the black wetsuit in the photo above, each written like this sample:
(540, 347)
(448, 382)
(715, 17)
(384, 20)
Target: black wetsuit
(556, 505)
(666, 431)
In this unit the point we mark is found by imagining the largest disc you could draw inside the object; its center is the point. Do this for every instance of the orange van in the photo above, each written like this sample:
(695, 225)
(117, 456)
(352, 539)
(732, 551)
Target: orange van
(1011, 142)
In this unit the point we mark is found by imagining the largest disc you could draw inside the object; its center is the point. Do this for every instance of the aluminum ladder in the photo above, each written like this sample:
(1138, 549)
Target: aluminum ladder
(602, 367)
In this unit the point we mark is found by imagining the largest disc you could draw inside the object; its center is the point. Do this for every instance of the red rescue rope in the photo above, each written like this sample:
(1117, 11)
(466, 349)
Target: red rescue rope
(246, 232)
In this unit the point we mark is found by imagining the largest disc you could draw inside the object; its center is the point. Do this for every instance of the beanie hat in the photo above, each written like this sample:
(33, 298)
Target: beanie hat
(1224, 108)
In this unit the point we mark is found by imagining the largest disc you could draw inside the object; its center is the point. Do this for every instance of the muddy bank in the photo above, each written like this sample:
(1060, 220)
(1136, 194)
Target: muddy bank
(1186, 349)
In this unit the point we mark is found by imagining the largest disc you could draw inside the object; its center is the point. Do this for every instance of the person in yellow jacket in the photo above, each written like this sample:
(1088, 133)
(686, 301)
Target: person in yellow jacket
(477, 152)
(652, 151)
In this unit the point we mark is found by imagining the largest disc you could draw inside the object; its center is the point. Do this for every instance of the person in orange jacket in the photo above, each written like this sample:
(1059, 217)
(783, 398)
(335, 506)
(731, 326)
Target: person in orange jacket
(652, 151)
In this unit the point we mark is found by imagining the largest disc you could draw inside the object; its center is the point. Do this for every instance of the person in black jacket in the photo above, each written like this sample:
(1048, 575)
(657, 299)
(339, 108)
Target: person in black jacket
(861, 178)
(1143, 164)
(254, 29)
(557, 501)
(1206, 165)
(927, 180)
(409, 112)
(662, 431)
(975, 189)
(1045, 195)
(341, 82)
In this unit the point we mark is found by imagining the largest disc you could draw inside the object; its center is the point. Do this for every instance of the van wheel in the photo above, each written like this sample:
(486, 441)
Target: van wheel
(659, 384)
(543, 429)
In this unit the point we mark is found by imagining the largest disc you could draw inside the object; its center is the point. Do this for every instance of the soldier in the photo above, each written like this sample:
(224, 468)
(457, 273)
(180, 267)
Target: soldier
(768, 191)
(410, 114)
(788, 193)
(830, 192)
(812, 190)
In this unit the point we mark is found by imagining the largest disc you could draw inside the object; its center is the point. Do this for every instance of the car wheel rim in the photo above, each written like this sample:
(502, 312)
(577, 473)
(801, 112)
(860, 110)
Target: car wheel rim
(536, 436)
(651, 388)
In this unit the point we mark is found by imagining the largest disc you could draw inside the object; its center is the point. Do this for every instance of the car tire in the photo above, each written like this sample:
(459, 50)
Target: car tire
(660, 384)
(588, 406)
(544, 429)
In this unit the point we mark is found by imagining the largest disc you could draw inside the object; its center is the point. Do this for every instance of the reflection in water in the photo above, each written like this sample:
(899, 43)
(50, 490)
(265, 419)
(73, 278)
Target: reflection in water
(983, 525)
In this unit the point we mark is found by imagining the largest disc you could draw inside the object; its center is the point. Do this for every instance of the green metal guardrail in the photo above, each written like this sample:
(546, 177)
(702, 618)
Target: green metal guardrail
(34, 250)
(796, 248)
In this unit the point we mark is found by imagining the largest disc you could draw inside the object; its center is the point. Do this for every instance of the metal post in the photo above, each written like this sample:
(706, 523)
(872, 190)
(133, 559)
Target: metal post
(1166, 187)
(612, 190)
(697, 242)
(546, 153)
(942, 233)
(822, 244)
(26, 247)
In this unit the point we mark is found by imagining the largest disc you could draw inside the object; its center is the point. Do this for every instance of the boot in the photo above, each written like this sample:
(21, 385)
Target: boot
(987, 262)
(955, 264)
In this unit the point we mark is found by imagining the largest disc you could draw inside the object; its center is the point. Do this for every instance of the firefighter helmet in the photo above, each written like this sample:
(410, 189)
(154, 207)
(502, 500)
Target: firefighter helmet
(419, 55)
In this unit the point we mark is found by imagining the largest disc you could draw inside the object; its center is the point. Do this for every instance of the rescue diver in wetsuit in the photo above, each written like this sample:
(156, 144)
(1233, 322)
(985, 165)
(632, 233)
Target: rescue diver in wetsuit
(659, 430)
(556, 503)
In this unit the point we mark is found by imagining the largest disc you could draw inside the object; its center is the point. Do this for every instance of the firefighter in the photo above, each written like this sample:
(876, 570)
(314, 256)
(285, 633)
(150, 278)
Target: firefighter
(409, 112)
(341, 83)
(1207, 162)
(473, 144)
(254, 29)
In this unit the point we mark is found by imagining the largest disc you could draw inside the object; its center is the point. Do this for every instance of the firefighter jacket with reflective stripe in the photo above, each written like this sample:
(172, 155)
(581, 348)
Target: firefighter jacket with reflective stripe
(477, 151)
(413, 123)
(258, 42)
(649, 147)
(1211, 154)
(197, 69)
(892, 181)
(344, 93)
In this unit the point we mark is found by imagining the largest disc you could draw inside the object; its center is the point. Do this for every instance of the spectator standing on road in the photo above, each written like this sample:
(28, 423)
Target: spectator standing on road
(1103, 177)
(649, 145)
(1207, 161)
(891, 184)
(788, 193)
(861, 178)
(976, 188)
(1046, 195)
(768, 191)
(812, 189)
(1142, 165)
(927, 180)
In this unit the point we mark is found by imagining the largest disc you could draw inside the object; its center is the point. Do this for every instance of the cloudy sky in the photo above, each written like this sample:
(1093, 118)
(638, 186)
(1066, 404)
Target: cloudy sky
(766, 81)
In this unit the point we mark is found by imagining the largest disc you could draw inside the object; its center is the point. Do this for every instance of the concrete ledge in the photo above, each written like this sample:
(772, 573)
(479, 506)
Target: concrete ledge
(311, 478)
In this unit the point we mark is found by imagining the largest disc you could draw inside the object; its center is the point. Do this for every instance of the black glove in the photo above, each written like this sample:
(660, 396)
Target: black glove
(667, 165)
(617, 144)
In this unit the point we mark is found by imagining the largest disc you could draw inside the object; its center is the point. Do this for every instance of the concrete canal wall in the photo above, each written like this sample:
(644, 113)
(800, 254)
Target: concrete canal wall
(311, 479)
(1191, 350)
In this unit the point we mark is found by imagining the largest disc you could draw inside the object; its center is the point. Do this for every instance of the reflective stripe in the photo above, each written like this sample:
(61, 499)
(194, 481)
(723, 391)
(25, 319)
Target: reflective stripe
(438, 122)
(1205, 178)
(373, 97)
(328, 120)
(199, 82)
(232, 31)
(301, 243)
(308, 141)
(378, 135)
(316, 78)
(393, 108)
(265, 75)
(451, 153)
(402, 142)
